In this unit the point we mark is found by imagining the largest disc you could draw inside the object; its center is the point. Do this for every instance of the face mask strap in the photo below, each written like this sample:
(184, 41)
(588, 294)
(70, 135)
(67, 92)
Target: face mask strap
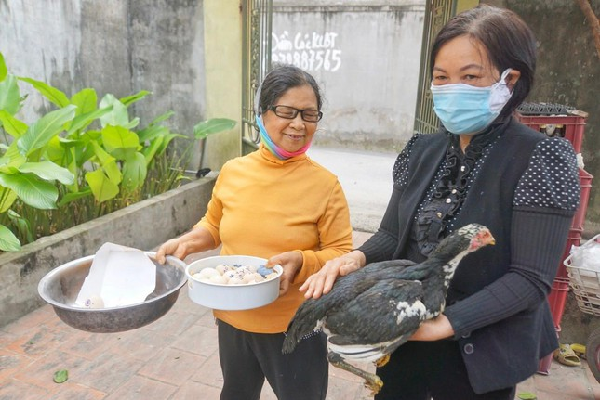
(504, 75)
(257, 100)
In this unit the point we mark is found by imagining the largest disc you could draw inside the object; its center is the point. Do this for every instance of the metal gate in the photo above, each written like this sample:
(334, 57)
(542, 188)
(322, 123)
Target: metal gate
(256, 60)
(437, 13)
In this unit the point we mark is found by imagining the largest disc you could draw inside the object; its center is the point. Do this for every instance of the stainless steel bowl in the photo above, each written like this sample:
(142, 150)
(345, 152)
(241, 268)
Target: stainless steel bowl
(61, 286)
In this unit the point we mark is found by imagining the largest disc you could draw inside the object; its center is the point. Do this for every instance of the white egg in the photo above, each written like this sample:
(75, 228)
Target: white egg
(235, 274)
(253, 268)
(222, 268)
(207, 273)
(271, 276)
(94, 302)
(201, 278)
(252, 277)
(218, 279)
(244, 270)
(236, 281)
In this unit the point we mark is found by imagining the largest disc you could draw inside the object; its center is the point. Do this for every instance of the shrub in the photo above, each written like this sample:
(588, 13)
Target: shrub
(80, 161)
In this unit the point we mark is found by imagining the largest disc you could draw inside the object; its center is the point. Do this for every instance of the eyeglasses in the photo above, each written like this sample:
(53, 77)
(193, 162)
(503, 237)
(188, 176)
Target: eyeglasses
(291, 113)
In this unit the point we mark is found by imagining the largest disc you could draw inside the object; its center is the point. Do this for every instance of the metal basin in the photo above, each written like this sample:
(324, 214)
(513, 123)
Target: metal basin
(61, 286)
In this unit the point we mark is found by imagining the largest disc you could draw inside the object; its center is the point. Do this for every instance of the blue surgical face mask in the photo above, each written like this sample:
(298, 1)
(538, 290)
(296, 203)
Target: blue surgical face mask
(468, 110)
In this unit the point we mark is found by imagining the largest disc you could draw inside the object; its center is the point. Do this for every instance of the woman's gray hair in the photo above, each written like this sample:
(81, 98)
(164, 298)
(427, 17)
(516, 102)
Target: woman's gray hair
(279, 81)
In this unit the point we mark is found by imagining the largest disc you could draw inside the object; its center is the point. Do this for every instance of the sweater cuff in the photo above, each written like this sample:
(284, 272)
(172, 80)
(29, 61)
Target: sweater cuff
(214, 232)
(310, 265)
(379, 247)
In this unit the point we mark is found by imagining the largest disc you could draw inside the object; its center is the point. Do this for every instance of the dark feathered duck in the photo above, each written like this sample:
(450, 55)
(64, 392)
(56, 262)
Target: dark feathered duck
(370, 312)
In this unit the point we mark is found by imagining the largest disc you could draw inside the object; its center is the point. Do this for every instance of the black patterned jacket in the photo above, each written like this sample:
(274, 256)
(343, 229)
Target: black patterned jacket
(525, 189)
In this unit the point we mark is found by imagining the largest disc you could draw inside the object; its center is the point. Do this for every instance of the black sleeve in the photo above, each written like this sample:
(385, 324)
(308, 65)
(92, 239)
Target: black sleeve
(544, 203)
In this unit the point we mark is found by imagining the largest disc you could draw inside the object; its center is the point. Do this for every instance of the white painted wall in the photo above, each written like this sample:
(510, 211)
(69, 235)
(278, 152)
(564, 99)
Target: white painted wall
(367, 60)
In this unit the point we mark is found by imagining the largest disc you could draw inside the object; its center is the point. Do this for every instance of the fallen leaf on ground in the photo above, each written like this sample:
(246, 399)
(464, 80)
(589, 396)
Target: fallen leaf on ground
(527, 396)
(61, 375)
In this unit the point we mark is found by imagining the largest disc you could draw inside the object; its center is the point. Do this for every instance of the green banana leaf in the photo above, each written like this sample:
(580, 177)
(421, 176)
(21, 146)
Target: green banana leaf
(127, 101)
(3, 70)
(150, 151)
(152, 131)
(12, 159)
(32, 190)
(10, 95)
(165, 142)
(69, 197)
(7, 198)
(40, 132)
(119, 142)
(12, 126)
(48, 171)
(101, 185)
(118, 116)
(134, 172)
(51, 93)
(113, 172)
(101, 154)
(85, 100)
(212, 126)
(22, 225)
(8, 241)
(108, 164)
(56, 151)
(83, 120)
(162, 117)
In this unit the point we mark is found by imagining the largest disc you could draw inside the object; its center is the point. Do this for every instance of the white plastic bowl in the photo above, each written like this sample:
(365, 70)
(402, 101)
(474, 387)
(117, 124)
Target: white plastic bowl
(231, 297)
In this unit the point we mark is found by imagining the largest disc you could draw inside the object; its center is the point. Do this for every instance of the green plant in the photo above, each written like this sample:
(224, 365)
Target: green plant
(23, 172)
(87, 153)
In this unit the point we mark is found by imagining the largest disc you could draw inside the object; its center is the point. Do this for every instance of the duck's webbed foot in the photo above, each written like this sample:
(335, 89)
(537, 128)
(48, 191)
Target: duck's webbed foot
(382, 361)
(372, 381)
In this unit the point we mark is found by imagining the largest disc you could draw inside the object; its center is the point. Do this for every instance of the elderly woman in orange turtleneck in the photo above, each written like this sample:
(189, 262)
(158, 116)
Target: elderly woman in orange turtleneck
(278, 204)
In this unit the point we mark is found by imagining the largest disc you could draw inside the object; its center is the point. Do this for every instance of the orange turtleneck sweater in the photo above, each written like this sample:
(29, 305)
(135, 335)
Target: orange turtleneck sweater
(262, 206)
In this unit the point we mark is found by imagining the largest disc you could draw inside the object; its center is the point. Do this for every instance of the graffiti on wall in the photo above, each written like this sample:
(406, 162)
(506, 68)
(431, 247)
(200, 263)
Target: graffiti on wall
(309, 51)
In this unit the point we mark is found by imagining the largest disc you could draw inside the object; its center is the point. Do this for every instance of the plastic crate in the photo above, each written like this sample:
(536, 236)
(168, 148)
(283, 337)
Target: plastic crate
(558, 299)
(585, 181)
(555, 120)
(544, 109)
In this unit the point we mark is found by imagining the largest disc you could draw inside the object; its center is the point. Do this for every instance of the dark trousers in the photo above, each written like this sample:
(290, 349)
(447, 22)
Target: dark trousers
(248, 358)
(422, 370)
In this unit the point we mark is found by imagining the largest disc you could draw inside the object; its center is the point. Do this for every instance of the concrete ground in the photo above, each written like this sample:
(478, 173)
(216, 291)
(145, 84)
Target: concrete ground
(366, 178)
(176, 357)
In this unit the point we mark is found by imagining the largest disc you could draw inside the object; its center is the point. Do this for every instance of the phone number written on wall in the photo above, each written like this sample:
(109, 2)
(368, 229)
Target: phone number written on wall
(308, 51)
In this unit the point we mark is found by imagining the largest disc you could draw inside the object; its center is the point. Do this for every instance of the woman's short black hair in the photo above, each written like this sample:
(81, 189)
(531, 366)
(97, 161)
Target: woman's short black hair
(508, 40)
(280, 80)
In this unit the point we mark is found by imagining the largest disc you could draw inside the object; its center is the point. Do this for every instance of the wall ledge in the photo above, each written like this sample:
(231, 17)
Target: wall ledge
(143, 226)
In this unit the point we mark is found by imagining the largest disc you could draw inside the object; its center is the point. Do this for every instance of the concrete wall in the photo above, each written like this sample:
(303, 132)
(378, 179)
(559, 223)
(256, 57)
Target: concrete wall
(567, 73)
(366, 56)
(114, 46)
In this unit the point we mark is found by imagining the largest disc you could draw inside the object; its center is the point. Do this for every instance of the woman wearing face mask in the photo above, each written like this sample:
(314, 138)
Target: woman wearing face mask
(482, 167)
(278, 204)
